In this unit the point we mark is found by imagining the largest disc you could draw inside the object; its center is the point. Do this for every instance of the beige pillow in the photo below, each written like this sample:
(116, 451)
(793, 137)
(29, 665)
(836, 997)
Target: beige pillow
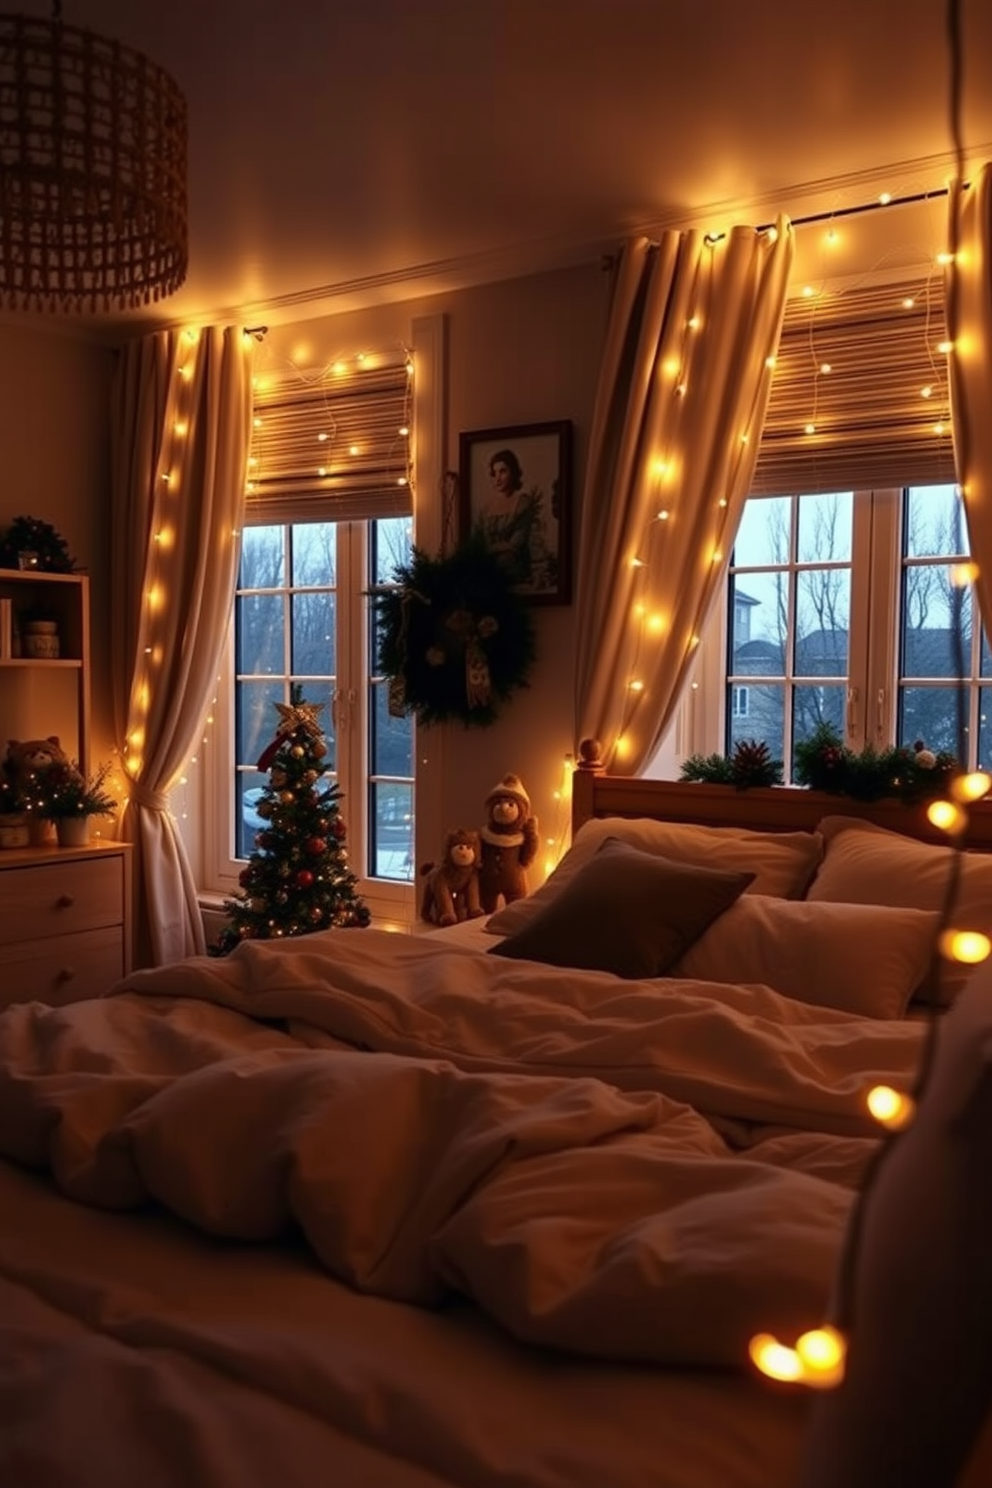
(625, 911)
(782, 862)
(865, 864)
(858, 958)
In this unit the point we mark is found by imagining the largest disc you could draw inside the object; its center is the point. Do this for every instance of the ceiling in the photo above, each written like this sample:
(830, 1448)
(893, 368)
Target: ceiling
(343, 152)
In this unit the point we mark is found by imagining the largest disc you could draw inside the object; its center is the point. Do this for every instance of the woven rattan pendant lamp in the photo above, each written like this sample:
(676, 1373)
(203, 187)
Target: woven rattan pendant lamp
(92, 171)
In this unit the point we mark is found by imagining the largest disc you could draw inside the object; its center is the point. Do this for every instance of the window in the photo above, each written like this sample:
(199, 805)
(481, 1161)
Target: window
(300, 609)
(328, 519)
(843, 609)
(739, 702)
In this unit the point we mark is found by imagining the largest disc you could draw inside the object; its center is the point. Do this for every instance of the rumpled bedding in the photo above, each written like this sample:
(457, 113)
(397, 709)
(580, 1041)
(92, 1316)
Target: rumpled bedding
(641, 1171)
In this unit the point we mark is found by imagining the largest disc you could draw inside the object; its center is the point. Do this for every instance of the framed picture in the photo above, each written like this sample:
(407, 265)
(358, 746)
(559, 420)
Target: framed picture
(515, 486)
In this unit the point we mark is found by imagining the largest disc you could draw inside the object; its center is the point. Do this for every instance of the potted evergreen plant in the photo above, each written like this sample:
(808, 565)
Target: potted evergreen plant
(71, 798)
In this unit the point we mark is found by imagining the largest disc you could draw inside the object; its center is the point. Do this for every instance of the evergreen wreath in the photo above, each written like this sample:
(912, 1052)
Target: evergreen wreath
(455, 638)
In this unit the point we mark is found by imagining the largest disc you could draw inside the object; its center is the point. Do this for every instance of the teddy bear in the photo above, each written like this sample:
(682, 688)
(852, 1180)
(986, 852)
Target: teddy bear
(509, 844)
(27, 761)
(451, 893)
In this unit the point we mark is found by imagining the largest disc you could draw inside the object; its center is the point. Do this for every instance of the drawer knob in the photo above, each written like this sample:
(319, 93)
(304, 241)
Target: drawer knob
(65, 901)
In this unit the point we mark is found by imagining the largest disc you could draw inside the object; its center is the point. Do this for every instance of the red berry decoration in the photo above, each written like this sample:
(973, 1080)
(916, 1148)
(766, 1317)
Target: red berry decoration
(304, 878)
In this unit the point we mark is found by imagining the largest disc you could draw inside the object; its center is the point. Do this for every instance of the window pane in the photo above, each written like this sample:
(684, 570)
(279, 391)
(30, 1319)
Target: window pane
(825, 527)
(823, 598)
(391, 745)
(260, 634)
(256, 717)
(934, 523)
(984, 728)
(391, 827)
(392, 546)
(313, 634)
(249, 785)
(986, 656)
(758, 620)
(764, 721)
(262, 558)
(813, 706)
(314, 551)
(936, 631)
(930, 714)
(763, 535)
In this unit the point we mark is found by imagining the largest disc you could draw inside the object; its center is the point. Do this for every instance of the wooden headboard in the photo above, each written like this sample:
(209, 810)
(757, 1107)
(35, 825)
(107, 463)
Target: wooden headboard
(761, 808)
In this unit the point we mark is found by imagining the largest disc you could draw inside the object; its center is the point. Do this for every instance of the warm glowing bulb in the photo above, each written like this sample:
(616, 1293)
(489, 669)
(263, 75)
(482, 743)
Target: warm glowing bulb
(968, 946)
(656, 624)
(671, 365)
(946, 816)
(637, 563)
(773, 1358)
(810, 428)
(663, 516)
(971, 787)
(636, 686)
(403, 430)
(908, 302)
(181, 429)
(926, 391)
(807, 291)
(889, 1107)
(945, 258)
(770, 361)
(963, 574)
(938, 428)
(825, 367)
(822, 1351)
(884, 198)
(693, 322)
(945, 346)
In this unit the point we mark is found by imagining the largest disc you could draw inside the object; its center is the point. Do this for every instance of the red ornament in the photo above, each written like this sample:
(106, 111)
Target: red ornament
(316, 845)
(338, 828)
(304, 878)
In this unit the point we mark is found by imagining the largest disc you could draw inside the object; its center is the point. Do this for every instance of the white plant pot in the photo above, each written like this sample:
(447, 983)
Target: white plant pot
(73, 831)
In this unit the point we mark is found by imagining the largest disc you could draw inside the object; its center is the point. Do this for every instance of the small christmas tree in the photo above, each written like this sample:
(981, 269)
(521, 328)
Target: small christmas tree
(298, 879)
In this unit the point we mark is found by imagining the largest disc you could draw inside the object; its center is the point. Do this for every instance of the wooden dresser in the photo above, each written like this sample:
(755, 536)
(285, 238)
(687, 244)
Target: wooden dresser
(65, 921)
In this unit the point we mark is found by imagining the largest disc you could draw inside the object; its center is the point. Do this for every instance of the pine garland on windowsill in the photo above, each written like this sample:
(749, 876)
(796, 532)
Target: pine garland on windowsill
(823, 762)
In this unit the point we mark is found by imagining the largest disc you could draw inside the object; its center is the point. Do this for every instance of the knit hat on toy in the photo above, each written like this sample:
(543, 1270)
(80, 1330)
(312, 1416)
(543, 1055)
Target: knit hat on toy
(510, 785)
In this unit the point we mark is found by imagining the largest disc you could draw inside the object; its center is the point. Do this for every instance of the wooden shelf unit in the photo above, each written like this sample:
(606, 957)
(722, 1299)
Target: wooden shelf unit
(39, 697)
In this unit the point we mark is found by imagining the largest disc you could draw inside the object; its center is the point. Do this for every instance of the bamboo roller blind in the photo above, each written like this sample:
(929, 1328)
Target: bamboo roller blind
(329, 447)
(873, 426)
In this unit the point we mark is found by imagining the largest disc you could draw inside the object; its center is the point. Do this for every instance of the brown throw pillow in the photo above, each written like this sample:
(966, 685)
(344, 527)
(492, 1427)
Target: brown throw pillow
(629, 912)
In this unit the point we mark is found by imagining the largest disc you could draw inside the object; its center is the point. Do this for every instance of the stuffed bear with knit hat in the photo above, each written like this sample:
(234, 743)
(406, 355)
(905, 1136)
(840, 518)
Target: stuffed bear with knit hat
(509, 844)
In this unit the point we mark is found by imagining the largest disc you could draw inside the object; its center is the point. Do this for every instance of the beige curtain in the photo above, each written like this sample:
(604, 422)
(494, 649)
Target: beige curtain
(969, 324)
(181, 424)
(694, 325)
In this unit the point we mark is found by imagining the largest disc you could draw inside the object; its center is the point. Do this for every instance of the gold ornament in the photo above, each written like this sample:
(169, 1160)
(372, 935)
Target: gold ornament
(299, 716)
(286, 797)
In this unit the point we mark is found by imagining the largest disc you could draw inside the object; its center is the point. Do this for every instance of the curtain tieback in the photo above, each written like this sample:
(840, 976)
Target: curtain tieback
(150, 800)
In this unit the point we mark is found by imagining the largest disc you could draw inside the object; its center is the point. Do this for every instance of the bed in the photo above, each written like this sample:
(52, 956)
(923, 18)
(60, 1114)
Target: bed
(398, 1211)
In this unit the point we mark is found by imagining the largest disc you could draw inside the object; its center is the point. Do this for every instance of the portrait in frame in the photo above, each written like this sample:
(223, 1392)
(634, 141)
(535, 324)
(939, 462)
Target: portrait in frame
(515, 487)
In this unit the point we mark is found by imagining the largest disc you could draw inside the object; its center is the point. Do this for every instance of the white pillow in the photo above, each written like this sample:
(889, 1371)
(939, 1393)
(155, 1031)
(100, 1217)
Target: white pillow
(858, 958)
(865, 864)
(783, 862)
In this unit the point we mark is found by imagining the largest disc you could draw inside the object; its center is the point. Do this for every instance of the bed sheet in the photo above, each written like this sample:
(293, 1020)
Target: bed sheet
(137, 1351)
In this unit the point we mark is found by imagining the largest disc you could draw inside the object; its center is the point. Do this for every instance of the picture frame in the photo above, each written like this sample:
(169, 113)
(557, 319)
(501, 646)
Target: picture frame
(523, 502)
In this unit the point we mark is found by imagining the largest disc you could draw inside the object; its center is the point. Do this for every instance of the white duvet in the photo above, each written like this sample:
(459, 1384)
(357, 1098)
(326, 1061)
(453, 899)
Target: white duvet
(634, 1170)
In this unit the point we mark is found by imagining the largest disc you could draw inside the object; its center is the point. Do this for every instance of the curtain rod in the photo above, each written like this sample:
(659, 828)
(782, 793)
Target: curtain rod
(873, 206)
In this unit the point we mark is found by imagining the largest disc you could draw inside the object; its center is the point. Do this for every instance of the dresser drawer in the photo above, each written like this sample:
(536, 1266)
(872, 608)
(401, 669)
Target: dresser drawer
(68, 969)
(37, 902)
